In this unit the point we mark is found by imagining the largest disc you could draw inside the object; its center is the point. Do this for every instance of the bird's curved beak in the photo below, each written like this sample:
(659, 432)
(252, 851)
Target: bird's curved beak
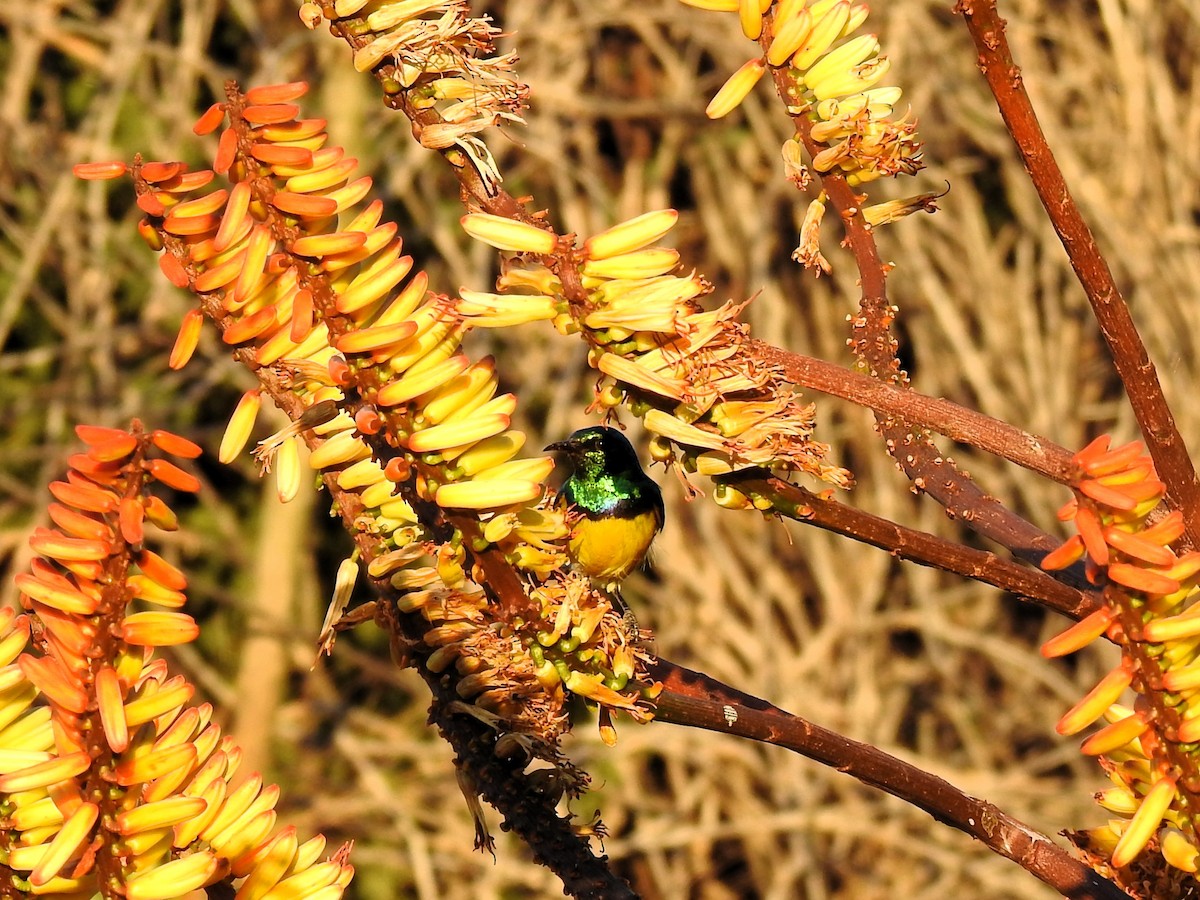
(558, 445)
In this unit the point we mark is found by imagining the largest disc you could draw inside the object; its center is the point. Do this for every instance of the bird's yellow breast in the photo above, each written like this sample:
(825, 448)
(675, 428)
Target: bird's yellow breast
(608, 549)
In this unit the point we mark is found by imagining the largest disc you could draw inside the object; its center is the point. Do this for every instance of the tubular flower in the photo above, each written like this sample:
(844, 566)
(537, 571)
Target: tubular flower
(409, 431)
(687, 372)
(109, 779)
(1150, 750)
(444, 60)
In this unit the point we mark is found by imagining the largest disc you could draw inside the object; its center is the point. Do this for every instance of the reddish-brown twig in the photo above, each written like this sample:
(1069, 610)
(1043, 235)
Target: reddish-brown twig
(922, 547)
(1129, 354)
(694, 699)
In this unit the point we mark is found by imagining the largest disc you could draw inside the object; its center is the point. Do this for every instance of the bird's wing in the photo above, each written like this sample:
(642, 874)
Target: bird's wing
(660, 511)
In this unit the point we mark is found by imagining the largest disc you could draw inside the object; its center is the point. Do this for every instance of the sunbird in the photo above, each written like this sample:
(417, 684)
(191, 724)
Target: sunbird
(620, 507)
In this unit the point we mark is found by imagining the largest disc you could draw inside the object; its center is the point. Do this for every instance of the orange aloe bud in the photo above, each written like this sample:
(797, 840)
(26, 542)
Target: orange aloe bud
(174, 444)
(187, 339)
(250, 327)
(98, 434)
(317, 246)
(302, 316)
(110, 703)
(99, 171)
(1080, 634)
(1108, 496)
(1091, 533)
(132, 514)
(1097, 700)
(281, 155)
(1108, 462)
(153, 765)
(158, 569)
(51, 678)
(159, 629)
(161, 515)
(70, 839)
(211, 120)
(43, 774)
(173, 269)
(270, 113)
(1115, 736)
(1141, 579)
(56, 545)
(88, 497)
(173, 476)
(1069, 553)
(173, 879)
(116, 448)
(59, 594)
(1137, 546)
(1144, 822)
(277, 93)
(369, 340)
(79, 524)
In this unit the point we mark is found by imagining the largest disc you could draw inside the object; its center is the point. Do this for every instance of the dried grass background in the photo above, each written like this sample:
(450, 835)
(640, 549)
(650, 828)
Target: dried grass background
(939, 671)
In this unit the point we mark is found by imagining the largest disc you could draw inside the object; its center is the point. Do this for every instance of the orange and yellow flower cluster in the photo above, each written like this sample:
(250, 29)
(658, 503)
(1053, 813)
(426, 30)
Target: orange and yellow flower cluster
(317, 296)
(110, 782)
(1151, 613)
(689, 373)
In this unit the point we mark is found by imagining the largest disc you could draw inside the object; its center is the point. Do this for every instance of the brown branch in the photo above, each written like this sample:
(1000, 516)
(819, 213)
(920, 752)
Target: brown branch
(1129, 354)
(1034, 452)
(875, 346)
(694, 699)
(921, 547)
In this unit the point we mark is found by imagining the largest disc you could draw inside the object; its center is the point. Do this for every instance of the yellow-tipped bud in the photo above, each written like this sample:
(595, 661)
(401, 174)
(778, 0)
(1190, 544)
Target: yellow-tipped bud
(789, 35)
(415, 382)
(842, 59)
(173, 879)
(1092, 706)
(735, 89)
(487, 494)
(493, 451)
(508, 234)
(1144, 822)
(751, 19)
(631, 235)
(241, 425)
(827, 28)
(456, 434)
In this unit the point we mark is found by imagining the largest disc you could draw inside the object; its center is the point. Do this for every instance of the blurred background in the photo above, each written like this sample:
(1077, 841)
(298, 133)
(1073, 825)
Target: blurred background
(939, 671)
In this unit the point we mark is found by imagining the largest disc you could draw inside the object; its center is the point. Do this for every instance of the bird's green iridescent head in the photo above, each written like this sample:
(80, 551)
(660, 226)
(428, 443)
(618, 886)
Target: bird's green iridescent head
(598, 451)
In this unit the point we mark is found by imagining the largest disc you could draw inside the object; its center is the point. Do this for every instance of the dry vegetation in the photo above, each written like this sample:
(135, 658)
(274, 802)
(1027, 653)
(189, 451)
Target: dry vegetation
(939, 671)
